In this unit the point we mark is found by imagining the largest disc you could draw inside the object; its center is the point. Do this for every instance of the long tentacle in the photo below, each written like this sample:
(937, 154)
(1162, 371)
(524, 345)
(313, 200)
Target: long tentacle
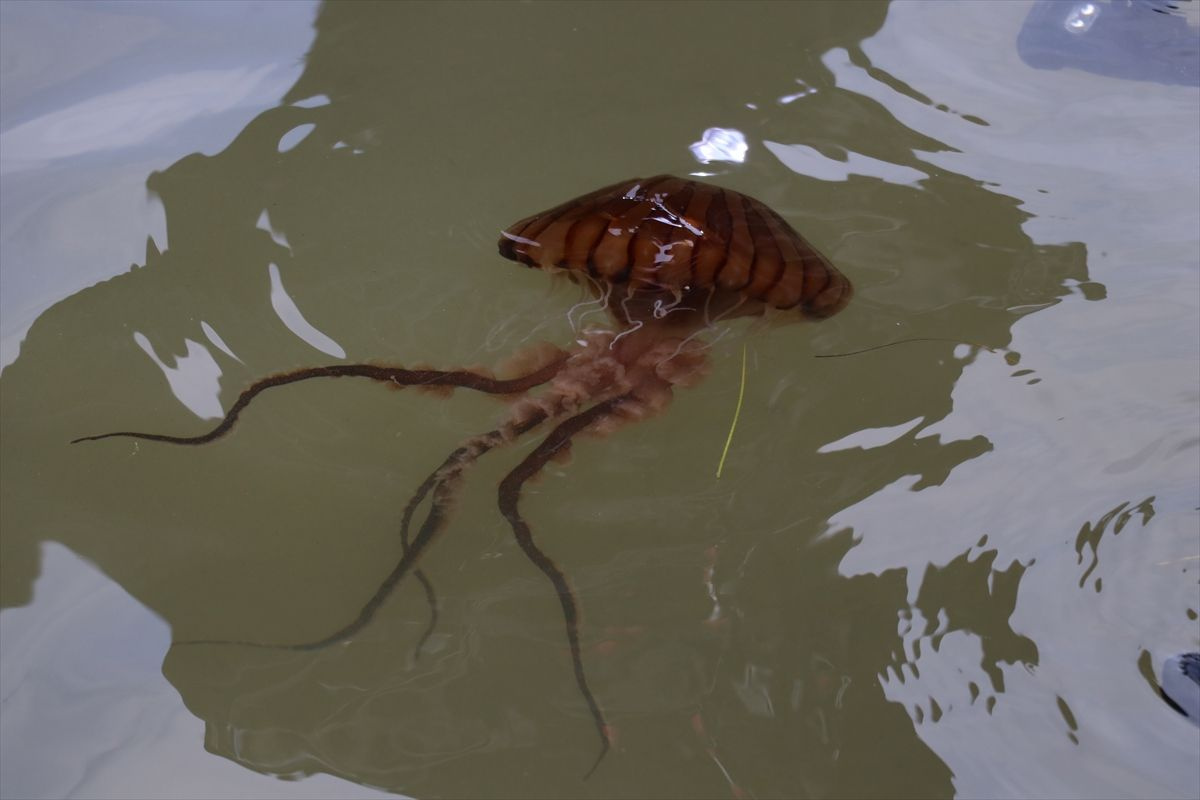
(405, 526)
(443, 483)
(396, 376)
(510, 496)
(448, 475)
(429, 530)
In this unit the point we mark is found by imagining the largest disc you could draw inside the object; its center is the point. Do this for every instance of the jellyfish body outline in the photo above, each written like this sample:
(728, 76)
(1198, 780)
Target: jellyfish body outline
(667, 258)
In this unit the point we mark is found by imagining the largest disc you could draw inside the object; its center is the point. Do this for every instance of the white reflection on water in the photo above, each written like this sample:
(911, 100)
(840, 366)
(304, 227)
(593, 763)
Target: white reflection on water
(871, 437)
(1111, 164)
(805, 91)
(316, 101)
(295, 136)
(133, 115)
(194, 378)
(217, 341)
(720, 144)
(81, 666)
(806, 160)
(277, 236)
(289, 313)
(83, 126)
(1081, 18)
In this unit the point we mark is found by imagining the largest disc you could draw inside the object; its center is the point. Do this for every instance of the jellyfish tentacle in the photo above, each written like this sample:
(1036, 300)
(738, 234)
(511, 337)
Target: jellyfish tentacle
(446, 478)
(603, 295)
(597, 301)
(419, 574)
(408, 561)
(396, 376)
(509, 499)
(443, 483)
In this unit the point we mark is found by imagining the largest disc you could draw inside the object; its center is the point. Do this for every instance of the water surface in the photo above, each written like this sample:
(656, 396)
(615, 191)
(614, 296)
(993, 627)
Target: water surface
(941, 568)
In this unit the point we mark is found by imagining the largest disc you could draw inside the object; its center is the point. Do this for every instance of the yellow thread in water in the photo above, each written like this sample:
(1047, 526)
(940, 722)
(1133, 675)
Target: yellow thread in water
(736, 413)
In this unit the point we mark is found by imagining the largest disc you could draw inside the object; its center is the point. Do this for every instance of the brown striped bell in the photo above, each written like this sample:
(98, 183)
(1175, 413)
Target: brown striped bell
(668, 235)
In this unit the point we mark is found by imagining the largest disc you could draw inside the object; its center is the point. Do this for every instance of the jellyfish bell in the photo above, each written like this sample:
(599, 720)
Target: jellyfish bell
(662, 246)
(669, 257)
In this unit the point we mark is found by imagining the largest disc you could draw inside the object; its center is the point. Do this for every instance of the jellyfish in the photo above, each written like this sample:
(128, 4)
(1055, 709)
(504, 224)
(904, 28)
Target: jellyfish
(664, 259)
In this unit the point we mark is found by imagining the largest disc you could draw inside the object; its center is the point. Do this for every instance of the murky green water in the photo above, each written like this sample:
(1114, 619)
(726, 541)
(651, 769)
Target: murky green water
(927, 570)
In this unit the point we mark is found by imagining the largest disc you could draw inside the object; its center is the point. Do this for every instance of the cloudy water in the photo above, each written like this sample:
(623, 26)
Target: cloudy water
(949, 566)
